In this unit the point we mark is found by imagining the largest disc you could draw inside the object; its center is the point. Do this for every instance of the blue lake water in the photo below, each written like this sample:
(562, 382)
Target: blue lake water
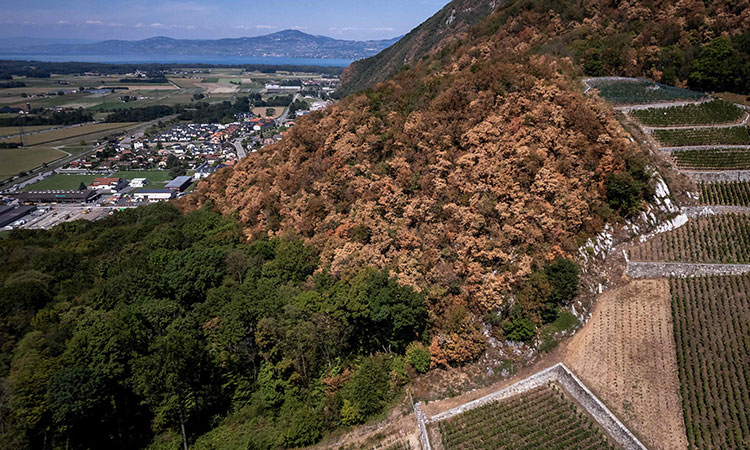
(178, 59)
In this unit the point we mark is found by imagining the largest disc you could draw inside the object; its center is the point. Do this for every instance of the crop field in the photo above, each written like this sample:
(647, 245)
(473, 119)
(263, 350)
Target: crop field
(626, 355)
(719, 159)
(712, 335)
(543, 418)
(61, 182)
(723, 239)
(705, 136)
(708, 113)
(636, 91)
(727, 194)
(10, 131)
(67, 133)
(16, 160)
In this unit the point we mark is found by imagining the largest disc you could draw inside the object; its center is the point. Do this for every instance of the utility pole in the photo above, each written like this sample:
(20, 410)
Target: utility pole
(20, 129)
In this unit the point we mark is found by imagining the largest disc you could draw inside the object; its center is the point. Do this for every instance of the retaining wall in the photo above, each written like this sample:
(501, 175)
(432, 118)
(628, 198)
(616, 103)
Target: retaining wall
(557, 373)
(722, 176)
(682, 270)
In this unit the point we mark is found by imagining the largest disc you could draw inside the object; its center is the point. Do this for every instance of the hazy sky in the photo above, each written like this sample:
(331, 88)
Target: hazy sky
(138, 19)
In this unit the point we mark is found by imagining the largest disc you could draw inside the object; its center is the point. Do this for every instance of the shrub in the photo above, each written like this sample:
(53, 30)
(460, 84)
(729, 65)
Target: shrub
(418, 356)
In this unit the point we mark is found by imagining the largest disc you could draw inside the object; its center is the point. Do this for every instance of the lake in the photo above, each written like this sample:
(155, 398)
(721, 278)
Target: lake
(178, 59)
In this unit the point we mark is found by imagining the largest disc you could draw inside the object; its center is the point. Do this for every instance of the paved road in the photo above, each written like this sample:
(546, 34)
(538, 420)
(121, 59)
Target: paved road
(284, 116)
(241, 153)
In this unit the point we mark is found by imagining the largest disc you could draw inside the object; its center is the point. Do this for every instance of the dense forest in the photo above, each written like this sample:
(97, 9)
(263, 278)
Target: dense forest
(141, 114)
(702, 45)
(150, 320)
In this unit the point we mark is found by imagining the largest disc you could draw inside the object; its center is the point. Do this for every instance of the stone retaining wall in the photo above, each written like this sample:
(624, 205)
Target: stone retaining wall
(557, 373)
(722, 176)
(713, 210)
(682, 270)
(703, 147)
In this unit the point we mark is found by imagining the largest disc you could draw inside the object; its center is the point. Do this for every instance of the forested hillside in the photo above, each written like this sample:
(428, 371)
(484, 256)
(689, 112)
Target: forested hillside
(704, 45)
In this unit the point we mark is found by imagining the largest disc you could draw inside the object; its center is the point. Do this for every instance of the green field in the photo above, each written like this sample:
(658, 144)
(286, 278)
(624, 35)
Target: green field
(731, 159)
(637, 91)
(708, 113)
(62, 182)
(706, 136)
(68, 133)
(24, 159)
(153, 176)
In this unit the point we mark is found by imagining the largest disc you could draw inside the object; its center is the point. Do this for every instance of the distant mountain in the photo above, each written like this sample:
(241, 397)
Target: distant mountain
(431, 36)
(288, 43)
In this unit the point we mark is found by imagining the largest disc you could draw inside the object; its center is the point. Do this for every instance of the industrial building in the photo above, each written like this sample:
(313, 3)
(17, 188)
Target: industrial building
(179, 184)
(9, 214)
(153, 195)
(84, 196)
(112, 184)
(138, 182)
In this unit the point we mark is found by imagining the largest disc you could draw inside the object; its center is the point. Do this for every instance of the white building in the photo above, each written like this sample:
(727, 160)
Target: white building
(153, 195)
(138, 182)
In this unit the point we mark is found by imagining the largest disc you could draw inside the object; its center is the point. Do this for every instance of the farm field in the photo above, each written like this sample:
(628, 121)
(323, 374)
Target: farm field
(636, 91)
(728, 194)
(706, 136)
(24, 159)
(626, 355)
(543, 418)
(10, 131)
(712, 335)
(61, 182)
(708, 113)
(723, 239)
(716, 159)
(67, 133)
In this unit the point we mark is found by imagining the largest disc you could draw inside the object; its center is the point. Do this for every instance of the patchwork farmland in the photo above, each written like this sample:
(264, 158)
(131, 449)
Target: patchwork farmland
(725, 194)
(712, 159)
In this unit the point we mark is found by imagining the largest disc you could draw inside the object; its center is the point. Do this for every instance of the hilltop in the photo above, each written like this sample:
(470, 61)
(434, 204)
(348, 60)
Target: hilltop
(432, 35)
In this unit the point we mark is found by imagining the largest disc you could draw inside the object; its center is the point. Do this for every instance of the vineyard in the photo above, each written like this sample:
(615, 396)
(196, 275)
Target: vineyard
(726, 158)
(634, 91)
(729, 194)
(708, 113)
(712, 336)
(721, 239)
(703, 136)
(543, 418)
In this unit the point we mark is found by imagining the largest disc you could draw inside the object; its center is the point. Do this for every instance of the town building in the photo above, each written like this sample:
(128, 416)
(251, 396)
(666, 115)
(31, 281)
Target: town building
(9, 214)
(179, 184)
(138, 182)
(58, 196)
(112, 184)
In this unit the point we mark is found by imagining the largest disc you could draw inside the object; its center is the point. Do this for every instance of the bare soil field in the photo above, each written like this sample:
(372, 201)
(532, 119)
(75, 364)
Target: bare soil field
(218, 88)
(626, 356)
(261, 111)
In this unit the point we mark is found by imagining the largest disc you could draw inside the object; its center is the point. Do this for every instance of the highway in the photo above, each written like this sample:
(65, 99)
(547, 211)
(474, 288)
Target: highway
(241, 153)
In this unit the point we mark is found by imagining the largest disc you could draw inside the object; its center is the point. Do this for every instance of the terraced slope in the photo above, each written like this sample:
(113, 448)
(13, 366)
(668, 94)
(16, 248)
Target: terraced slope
(723, 239)
(725, 194)
(707, 113)
(543, 418)
(713, 159)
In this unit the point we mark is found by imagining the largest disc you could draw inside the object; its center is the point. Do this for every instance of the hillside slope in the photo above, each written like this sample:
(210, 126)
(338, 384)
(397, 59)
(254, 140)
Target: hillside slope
(463, 176)
(446, 25)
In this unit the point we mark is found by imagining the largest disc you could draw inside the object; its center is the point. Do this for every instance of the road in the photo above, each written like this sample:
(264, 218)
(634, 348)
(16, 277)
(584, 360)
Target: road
(285, 115)
(28, 133)
(241, 153)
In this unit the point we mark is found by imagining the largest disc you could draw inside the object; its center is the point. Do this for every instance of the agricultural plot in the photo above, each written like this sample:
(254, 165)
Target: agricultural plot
(714, 159)
(67, 133)
(723, 239)
(543, 418)
(703, 136)
(725, 194)
(636, 91)
(708, 113)
(10, 131)
(712, 336)
(626, 355)
(14, 161)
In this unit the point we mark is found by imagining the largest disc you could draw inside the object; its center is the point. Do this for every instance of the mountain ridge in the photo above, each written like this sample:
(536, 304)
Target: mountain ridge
(286, 43)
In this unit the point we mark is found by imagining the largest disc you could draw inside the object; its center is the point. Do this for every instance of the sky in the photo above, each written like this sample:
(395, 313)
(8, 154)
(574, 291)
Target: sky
(211, 19)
